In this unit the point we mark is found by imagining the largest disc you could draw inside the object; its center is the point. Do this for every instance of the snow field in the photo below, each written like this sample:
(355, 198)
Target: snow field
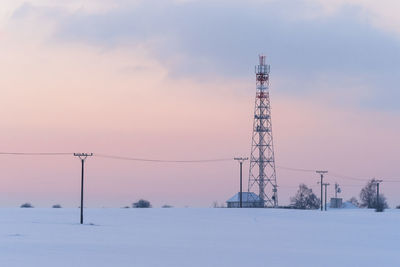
(199, 237)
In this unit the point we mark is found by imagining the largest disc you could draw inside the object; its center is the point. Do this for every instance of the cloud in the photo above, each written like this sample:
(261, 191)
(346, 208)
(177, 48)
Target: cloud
(304, 40)
(382, 14)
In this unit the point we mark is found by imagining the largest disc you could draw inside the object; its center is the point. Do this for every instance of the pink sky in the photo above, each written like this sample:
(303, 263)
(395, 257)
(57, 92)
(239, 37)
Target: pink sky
(63, 97)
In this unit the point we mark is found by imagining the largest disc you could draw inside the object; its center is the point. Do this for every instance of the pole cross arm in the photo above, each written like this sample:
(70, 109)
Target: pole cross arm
(241, 159)
(83, 156)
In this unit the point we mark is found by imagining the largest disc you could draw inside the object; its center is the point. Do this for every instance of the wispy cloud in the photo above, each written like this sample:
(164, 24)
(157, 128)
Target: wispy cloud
(304, 39)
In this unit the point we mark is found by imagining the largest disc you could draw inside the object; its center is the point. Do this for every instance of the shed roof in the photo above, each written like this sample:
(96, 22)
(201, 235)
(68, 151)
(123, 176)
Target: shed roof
(246, 197)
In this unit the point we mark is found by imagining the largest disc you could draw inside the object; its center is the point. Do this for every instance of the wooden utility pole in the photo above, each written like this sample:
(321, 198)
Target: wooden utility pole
(322, 181)
(82, 157)
(326, 185)
(377, 192)
(241, 159)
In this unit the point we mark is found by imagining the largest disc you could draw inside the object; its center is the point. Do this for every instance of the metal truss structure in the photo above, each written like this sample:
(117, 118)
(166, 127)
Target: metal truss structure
(262, 175)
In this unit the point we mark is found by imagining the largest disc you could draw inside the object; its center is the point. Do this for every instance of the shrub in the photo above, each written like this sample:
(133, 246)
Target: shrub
(142, 204)
(26, 205)
(354, 201)
(56, 206)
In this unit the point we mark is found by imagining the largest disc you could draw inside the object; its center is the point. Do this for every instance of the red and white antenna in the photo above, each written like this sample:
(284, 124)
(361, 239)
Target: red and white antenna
(262, 175)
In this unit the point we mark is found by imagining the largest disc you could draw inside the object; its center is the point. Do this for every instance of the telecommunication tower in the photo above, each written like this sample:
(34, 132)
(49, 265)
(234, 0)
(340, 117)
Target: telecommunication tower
(262, 175)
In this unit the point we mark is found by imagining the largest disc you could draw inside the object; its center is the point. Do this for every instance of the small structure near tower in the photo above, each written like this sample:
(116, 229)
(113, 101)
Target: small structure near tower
(249, 200)
(336, 202)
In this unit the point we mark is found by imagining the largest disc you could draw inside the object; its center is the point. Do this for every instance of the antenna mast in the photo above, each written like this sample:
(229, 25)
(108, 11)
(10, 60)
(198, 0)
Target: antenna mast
(262, 175)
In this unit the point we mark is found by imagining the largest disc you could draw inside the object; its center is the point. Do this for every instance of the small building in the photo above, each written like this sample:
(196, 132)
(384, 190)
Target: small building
(249, 200)
(336, 203)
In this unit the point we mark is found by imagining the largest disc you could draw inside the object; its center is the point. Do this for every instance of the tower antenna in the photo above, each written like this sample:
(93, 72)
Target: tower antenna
(262, 175)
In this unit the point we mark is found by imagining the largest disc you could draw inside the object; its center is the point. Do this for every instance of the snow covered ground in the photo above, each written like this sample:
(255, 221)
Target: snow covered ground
(199, 237)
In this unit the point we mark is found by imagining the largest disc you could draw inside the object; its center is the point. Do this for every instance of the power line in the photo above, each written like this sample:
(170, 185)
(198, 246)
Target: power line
(294, 169)
(161, 160)
(337, 175)
(288, 186)
(392, 181)
(116, 157)
(351, 185)
(362, 179)
(36, 153)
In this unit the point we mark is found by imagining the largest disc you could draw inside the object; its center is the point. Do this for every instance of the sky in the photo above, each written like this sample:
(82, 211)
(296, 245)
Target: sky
(174, 79)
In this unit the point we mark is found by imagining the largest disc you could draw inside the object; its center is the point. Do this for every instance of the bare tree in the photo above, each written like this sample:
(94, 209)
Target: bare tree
(305, 199)
(368, 197)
